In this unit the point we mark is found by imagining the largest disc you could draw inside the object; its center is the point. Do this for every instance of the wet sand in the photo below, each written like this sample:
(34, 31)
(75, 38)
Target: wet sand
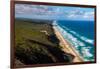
(66, 47)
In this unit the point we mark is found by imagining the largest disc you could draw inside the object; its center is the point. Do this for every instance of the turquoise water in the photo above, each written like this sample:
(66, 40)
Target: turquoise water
(80, 34)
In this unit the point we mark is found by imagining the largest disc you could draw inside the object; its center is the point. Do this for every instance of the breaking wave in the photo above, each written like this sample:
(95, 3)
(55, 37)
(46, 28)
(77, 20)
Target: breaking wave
(80, 43)
(85, 39)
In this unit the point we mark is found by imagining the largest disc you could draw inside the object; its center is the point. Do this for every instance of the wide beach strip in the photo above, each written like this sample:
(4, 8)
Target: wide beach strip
(66, 46)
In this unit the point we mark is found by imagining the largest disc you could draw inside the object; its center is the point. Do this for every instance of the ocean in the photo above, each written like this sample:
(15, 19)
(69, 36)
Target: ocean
(80, 34)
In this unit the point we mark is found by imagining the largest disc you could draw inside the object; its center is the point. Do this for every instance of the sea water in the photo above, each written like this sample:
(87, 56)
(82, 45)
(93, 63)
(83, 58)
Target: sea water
(80, 34)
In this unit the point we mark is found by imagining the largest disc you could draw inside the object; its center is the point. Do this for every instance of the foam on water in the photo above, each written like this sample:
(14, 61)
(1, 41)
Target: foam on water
(79, 45)
(86, 52)
(79, 36)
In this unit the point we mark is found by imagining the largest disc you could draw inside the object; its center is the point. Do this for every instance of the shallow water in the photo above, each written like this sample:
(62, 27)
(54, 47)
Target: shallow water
(80, 34)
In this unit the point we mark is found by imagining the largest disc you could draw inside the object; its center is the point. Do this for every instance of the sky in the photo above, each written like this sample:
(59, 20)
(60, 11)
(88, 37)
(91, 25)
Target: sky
(47, 12)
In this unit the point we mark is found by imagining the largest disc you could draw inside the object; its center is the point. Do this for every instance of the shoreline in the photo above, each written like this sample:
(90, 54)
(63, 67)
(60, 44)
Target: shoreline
(66, 47)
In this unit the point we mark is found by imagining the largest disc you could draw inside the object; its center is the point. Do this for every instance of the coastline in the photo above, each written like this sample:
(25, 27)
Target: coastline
(66, 47)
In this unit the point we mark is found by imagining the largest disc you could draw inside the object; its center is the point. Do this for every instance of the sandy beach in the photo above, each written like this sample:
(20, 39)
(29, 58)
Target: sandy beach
(66, 47)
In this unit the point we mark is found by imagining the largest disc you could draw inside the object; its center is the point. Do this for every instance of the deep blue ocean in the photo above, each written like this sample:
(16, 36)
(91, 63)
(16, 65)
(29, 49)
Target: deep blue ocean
(80, 34)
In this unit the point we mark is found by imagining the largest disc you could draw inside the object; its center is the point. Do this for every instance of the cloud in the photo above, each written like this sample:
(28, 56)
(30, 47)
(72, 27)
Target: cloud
(40, 11)
(80, 14)
(33, 9)
(22, 8)
(89, 15)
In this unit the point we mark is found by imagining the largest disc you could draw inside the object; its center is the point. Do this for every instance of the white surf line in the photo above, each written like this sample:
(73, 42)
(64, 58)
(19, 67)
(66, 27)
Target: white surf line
(68, 47)
(85, 39)
(70, 40)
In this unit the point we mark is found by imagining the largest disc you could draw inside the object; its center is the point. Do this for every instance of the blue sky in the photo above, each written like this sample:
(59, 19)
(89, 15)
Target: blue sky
(53, 12)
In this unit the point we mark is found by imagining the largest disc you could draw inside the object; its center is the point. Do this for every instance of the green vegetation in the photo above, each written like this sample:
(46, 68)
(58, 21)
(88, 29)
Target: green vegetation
(36, 43)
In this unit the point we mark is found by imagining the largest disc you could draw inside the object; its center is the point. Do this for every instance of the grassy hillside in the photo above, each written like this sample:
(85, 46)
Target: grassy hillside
(36, 43)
